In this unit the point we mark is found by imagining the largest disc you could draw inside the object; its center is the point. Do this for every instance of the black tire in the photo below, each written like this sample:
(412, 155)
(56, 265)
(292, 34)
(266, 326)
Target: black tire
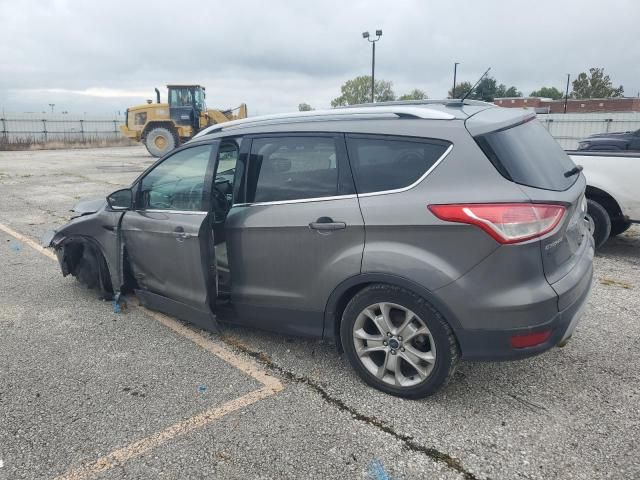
(160, 141)
(446, 346)
(618, 227)
(601, 222)
(93, 273)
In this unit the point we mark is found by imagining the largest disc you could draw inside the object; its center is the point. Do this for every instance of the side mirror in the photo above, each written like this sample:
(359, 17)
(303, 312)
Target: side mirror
(121, 199)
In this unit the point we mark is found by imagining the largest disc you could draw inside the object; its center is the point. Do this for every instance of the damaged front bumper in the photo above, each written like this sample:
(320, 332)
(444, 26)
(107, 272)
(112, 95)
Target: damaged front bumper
(52, 239)
(47, 238)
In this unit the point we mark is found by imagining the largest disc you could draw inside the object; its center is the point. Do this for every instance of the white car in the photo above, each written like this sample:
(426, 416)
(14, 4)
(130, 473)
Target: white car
(613, 191)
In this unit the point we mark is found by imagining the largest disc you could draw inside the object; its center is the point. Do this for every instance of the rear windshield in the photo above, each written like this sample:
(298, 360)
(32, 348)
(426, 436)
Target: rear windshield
(528, 155)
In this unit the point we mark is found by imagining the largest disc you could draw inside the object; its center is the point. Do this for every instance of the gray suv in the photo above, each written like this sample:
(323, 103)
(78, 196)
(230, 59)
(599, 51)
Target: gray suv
(414, 234)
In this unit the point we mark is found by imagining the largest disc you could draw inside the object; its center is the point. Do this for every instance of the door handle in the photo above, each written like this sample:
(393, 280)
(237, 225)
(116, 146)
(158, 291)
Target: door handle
(326, 224)
(181, 235)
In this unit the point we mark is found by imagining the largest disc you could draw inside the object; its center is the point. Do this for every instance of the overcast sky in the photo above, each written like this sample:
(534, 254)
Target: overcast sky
(101, 56)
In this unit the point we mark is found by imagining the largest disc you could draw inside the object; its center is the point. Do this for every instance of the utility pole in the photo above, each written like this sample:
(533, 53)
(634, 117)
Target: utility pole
(52, 105)
(373, 60)
(373, 71)
(455, 70)
(566, 93)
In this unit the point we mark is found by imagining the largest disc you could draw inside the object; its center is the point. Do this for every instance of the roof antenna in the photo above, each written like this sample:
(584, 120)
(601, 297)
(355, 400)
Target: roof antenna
(474, 87)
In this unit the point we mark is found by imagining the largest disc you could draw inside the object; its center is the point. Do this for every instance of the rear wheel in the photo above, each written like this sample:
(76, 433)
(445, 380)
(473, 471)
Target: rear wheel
(160, 141)
(618, 227)
(599, 222)
(397, 342)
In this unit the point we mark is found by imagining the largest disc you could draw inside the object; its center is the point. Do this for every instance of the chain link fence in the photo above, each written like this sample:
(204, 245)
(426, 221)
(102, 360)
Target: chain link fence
(568, 129)
(42, 129)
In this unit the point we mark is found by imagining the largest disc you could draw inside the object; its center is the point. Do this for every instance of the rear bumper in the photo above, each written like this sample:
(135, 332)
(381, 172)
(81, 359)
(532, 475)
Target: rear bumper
(496, 344)
(487, 326)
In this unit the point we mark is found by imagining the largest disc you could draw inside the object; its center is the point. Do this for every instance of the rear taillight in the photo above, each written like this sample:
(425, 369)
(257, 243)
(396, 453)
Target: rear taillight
(505, 222)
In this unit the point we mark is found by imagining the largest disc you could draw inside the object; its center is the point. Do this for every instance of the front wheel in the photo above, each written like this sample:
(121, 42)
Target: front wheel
(92, 272)
(397, 342)
(160, 141)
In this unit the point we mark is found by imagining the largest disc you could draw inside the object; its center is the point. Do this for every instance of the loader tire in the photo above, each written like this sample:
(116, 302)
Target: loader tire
(160, 141)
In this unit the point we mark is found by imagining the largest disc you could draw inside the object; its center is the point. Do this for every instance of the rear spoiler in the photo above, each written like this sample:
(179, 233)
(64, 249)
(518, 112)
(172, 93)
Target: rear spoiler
(496, 119)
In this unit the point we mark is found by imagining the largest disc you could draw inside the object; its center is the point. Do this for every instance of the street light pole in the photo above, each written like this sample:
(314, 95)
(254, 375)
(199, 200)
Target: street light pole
(373, 60)
(566, 93)
(455, 70)
(373, 70)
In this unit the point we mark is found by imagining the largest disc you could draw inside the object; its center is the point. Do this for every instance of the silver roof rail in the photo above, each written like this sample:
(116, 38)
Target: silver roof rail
(399, 111)
(446, 102)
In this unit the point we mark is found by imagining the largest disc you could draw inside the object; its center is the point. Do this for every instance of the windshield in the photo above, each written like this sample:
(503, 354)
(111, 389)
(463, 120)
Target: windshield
(528, 155)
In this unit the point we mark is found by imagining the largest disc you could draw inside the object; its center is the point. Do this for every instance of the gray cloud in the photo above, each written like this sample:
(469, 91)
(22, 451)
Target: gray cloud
(274, 55)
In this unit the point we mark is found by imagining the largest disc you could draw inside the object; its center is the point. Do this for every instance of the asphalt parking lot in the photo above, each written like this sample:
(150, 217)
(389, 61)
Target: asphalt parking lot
(89, 393)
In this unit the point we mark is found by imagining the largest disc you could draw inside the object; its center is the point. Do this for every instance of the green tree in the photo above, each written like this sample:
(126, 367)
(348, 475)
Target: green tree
(461, 90)
(358, 90)
(595, 85)
(548, 92)
(415, 94)
(487, 90)
(304, 107)
(503, 91)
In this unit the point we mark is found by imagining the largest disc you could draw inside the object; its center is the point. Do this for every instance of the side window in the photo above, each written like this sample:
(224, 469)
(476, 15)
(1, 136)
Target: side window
(388, 163)
(228, 155)
(178, 182)
(227, 158)
(292, 168)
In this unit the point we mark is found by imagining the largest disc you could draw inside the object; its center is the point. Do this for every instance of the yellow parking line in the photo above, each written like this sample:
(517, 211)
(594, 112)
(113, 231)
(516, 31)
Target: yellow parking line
(118, 457)
(247, 366)
(35, 245)
(271, 385)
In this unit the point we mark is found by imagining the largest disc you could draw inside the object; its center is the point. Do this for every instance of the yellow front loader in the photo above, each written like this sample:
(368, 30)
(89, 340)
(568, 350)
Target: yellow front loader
(164, 126)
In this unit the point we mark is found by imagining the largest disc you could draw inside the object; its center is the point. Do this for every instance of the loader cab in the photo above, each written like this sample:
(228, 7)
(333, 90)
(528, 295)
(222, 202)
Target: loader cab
(186, 103)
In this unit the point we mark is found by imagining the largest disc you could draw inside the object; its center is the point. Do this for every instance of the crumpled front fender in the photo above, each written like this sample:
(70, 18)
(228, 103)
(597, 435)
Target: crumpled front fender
(47, 238)
(100, 230)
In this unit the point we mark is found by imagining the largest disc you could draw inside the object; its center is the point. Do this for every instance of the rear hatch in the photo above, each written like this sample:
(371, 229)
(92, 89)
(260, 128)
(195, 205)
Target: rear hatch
(526, 154)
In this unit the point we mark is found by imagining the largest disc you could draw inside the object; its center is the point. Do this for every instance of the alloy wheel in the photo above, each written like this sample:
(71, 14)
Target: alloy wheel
(394, 344)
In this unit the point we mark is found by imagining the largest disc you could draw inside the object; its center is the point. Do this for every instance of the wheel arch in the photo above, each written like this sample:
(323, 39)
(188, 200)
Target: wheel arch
(72, 249)
(345, 291)
(608, 202)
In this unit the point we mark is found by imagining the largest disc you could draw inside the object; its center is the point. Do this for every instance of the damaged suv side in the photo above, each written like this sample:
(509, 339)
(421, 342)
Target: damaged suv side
(412, 234)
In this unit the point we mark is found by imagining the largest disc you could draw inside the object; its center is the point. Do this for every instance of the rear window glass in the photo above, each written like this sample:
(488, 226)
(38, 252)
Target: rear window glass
(388, 163)
(528, 155)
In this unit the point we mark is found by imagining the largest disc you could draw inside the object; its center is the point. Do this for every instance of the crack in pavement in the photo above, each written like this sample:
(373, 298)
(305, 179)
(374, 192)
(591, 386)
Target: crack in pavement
(407, 441)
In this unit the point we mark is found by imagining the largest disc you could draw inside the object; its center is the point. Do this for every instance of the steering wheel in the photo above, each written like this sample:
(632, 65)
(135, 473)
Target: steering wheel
(193, 197)
(160, 201)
